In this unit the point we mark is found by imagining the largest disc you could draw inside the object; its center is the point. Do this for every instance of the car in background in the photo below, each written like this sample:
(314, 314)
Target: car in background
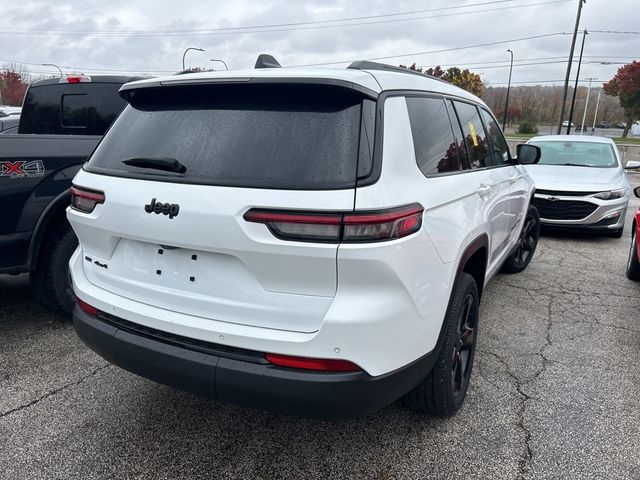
(633, 263)
(580, 183)
(9, 124)
(6, 111)
(566, 123)
(603, 125)
(621, 125)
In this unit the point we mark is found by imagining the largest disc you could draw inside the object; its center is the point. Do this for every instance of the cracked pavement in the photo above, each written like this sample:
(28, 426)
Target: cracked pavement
(554, 394)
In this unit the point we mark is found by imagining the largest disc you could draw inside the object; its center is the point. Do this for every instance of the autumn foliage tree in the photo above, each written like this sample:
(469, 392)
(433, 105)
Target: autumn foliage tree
(465, 79)
(626, 86)
(13, 85)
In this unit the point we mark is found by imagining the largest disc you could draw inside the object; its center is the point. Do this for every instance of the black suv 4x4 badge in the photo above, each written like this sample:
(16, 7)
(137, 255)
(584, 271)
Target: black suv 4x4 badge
(171, 209)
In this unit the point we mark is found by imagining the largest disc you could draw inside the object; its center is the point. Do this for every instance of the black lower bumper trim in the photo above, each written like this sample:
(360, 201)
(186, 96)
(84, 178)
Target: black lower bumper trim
(256, 385)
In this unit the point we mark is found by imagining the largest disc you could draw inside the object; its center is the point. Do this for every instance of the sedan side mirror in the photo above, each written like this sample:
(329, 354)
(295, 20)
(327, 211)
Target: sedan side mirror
(528, 154)
(632, 165)
(636, 192)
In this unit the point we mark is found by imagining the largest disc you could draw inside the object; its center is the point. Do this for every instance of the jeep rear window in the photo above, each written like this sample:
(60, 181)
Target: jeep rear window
(252, 135)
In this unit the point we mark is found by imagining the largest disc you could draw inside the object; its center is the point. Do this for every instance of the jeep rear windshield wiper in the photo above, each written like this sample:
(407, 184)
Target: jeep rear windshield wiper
(158, 163)
(575, 165)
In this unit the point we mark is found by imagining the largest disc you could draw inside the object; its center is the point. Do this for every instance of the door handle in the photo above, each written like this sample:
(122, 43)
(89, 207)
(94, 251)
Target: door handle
(514, 179)
(484, 190)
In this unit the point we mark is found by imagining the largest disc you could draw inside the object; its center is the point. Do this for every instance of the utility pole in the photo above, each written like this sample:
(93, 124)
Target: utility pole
(506, 104)
(595, 115)
(586, 105)
(575, 88)
(566, 79)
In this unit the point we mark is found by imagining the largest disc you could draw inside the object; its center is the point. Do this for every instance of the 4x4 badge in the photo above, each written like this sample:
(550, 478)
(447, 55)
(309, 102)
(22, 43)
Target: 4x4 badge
(171, 209)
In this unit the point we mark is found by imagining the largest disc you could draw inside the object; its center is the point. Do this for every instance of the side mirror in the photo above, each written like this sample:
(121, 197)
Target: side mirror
(636, 192)
(632, 165)
(528, 154)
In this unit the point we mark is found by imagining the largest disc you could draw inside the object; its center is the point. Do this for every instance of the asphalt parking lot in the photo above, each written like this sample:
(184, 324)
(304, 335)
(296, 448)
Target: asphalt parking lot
(555, 394)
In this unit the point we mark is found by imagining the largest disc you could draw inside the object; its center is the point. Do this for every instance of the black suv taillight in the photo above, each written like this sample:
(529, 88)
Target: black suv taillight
(85, 200)
(340, 227)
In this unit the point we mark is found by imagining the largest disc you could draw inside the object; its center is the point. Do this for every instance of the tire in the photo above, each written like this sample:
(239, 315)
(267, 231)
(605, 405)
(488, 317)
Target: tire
(527, 243)
(443, 391)
(50, 281)
(633, 265)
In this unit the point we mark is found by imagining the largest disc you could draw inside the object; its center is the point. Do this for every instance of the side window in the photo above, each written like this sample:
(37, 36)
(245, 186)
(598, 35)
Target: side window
(474, 135)
(457, 131)
(433, 140)
(500, 147)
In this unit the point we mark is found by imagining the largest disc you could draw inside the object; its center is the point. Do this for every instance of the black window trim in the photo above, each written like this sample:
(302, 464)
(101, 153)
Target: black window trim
(377, 151)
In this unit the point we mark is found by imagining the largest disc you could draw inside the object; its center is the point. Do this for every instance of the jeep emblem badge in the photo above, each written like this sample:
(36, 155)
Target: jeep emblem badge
(171, 209)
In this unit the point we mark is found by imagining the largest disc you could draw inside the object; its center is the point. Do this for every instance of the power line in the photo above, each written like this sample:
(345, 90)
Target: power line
(273, 25)
(268, 29)
(412, 54)
(614, 31)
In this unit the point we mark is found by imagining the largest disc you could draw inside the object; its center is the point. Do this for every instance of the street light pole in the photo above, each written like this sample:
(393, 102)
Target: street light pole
(218, 60)
(506, 103)
(575, 88)
(566, 79)
(185, 54)
(586, 105)
(52, 65)
(595, 115)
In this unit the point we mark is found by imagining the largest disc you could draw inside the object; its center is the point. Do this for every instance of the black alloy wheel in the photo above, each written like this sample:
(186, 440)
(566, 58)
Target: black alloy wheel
(463, 347)
(527, 243)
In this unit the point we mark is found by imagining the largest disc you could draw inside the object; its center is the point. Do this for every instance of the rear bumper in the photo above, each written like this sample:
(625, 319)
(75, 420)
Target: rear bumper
(243, 377)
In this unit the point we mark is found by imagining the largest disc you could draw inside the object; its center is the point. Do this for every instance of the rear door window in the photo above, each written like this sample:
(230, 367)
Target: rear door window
(474, 135)
(258, 135)
(433, 140)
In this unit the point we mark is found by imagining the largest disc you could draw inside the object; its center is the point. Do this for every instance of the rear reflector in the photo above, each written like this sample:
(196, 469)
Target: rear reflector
(318, 364)
(353, 227)
(85, 200)
(86, 308)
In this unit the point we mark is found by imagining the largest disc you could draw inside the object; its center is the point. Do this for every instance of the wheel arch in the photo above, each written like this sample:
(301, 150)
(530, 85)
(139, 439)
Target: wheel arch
(474, 261)
(53, 214)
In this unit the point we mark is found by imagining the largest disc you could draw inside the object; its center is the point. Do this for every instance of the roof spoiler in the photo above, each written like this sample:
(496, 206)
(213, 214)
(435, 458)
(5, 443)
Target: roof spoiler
(266, 61)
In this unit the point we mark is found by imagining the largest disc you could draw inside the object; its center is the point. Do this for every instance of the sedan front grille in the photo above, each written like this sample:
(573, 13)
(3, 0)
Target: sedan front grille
(563, 209)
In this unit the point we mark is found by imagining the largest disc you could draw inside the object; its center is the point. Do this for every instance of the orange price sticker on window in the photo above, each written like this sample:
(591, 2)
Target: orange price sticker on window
(474, 137)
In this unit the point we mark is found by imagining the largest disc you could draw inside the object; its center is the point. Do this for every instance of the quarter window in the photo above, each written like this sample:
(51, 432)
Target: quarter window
(474, 135)
(433, 140)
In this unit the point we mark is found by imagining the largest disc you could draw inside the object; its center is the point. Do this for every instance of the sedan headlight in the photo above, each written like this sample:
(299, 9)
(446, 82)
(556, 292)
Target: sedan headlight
(611, 194)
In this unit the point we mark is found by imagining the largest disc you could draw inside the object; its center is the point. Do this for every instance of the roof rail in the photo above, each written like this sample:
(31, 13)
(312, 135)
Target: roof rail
(368, 65)
(266, 61)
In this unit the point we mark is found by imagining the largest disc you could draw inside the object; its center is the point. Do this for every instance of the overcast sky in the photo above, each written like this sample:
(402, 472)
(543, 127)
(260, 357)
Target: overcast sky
(150, 35)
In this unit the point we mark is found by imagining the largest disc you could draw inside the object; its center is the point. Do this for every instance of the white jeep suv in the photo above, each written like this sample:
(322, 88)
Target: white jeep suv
(310, 241)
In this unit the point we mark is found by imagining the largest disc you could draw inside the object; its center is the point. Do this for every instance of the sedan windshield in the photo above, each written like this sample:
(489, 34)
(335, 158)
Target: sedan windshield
(577, 154)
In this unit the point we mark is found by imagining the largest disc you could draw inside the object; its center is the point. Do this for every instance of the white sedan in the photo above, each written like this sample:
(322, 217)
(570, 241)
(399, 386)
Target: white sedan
(581, 183)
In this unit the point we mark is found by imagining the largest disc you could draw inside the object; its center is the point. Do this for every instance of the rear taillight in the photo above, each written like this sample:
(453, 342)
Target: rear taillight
(318, 364)
(86, 308)
(352, 227)
(85, 200)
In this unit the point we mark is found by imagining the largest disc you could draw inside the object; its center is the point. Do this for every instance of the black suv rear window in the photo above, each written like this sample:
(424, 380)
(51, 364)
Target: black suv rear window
(256, 135)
